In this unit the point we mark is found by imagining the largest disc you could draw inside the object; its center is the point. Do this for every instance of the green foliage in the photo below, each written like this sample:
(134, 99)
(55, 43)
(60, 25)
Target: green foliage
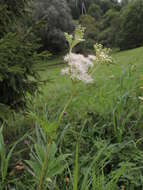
(130, 35)
(116, 25)
(44, 165)
(95, 11)
(18, 46)
(104, 122)
(75, 8)
(109, 28)
(15, 7)
(4, 19)
(10, 12)
(91, 32)
(4, 160)
(57, 20)
(76, 39)
(50, 128)
(75, 175)
(6, 154)
(105, 116)
(18, 72)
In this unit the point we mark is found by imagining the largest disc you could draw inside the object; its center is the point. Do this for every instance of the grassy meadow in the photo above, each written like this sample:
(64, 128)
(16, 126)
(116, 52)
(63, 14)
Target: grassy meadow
(99, 141)
(105, 118)
(112, 83)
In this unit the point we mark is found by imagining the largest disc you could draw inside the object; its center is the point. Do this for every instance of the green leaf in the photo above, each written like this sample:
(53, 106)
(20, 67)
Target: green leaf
(75, 175)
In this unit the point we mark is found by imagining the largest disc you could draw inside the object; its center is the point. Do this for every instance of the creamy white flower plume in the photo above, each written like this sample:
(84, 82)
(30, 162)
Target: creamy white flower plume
(78, 67)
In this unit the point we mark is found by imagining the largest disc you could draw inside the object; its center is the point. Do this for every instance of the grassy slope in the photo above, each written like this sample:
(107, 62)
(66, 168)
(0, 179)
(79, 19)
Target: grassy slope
(111, 83)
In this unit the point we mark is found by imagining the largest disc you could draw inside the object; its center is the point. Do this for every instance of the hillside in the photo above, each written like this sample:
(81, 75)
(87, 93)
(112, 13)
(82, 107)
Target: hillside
(111, 83)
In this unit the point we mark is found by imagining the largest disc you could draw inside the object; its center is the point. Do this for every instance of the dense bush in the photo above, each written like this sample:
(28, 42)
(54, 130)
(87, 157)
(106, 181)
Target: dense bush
(10, 11)
(57, 20)
(18, 57)
(132, 26)
(18, 75)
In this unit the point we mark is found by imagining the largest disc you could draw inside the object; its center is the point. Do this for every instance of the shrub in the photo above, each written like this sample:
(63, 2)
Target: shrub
(10, 11)
(18, 74)
(132, 26)
(16, 7)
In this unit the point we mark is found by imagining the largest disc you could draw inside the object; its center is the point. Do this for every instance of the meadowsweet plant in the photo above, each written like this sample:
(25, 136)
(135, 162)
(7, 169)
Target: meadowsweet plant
(80, 68)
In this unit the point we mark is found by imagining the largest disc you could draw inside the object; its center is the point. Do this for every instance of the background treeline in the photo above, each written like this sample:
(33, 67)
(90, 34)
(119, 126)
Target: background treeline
(110, 22)
(116, 24)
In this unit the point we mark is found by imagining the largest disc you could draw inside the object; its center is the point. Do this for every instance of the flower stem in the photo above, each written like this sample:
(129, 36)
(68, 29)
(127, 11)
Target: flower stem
(66, 105)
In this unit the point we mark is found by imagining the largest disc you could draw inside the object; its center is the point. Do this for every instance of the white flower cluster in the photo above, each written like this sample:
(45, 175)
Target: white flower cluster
(102, 54)
(78, 67)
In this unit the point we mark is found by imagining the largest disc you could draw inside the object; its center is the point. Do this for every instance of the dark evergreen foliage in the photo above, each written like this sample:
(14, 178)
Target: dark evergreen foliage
(18, 75)
(18, 57)
(15, 7)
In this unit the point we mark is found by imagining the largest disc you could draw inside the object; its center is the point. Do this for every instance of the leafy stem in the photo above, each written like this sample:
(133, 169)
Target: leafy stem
(44, 167)
(67, 104)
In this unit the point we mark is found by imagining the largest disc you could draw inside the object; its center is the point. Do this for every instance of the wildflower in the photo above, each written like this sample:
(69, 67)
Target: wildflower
(78, 67)
(102, 54)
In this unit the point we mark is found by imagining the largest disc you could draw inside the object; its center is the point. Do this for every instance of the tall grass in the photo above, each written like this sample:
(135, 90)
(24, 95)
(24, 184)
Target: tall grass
(99, 144)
